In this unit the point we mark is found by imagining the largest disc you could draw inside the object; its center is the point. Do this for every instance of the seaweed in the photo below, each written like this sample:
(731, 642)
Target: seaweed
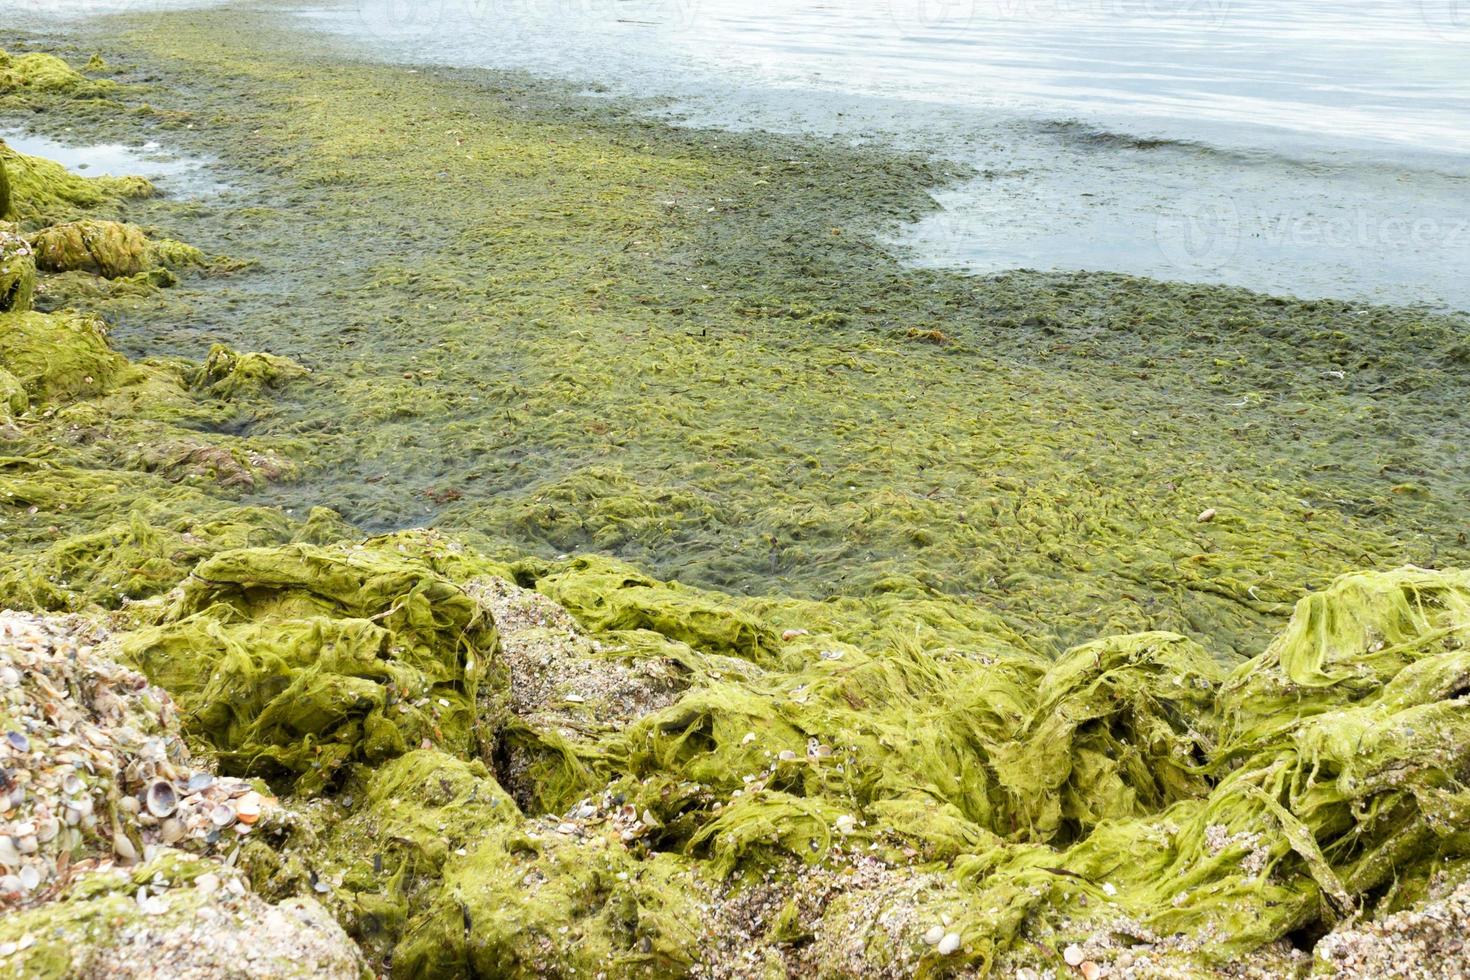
(935, 687)
(109, 249)
(4, 192)
(43, 191)
(299, 661)
(17, 274)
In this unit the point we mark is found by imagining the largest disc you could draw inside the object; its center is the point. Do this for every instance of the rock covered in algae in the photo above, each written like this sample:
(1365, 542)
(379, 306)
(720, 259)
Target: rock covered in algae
(228, 373)
(300, 661)
(111, 847)
(1133, 787)
(42, 191)
(110, 249)
(17, 273)
(40, 72)
(58, 356)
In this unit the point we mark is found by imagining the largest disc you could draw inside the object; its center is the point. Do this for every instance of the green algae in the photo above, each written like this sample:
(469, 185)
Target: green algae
(43, 192)
(41, 72)
(302, 661)
(58, 356)
(17, 274)
(109, 249)
(1228, 810)
(557, 322)
(1227, 805)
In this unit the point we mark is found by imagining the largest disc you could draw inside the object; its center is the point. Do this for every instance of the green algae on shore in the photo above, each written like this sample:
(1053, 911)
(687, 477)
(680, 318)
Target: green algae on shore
(550, 324)
(924, 751)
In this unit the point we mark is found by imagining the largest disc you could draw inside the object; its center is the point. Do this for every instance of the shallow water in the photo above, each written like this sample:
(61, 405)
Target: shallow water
(1317, 148)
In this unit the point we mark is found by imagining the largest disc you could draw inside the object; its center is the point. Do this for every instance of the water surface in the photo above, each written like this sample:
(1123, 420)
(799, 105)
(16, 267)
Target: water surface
(1318, 148)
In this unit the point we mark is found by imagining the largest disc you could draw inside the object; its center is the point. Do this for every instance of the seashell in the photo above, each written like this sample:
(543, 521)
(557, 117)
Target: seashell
(29, 877)
(171, 831)
(47, 829)
(27, 844)
(129, 804)
(9, 853)
(949, 944)
(18, 741)
(786, 755)
(72, 785)
(9, 885)
(932, 937)
(124, 848)
(1089, 970)
(223, 814)
(162, 800)
(207, 883)
(200, 781)
(1073, 955)
(248, 809)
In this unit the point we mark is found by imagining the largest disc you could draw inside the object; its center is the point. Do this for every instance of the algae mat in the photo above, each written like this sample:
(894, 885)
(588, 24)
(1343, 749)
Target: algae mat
(570, 768)
(566, 328)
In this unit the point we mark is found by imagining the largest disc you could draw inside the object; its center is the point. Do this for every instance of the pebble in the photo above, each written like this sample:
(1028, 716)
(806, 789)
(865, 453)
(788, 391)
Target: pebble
(1206, 516)
(1073, 955)
(934, 935)
(949, 944)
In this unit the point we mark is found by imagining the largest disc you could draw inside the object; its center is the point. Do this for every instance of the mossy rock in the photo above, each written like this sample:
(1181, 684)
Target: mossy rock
(103, 926)
(294, 662)
(42, 191)
(228, 373)
(110, 249)
(40, 72)
(17, 274)
(58, 356)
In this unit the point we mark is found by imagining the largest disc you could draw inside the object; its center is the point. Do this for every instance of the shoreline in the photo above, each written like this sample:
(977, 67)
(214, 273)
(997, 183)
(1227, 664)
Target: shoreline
(482, 747)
